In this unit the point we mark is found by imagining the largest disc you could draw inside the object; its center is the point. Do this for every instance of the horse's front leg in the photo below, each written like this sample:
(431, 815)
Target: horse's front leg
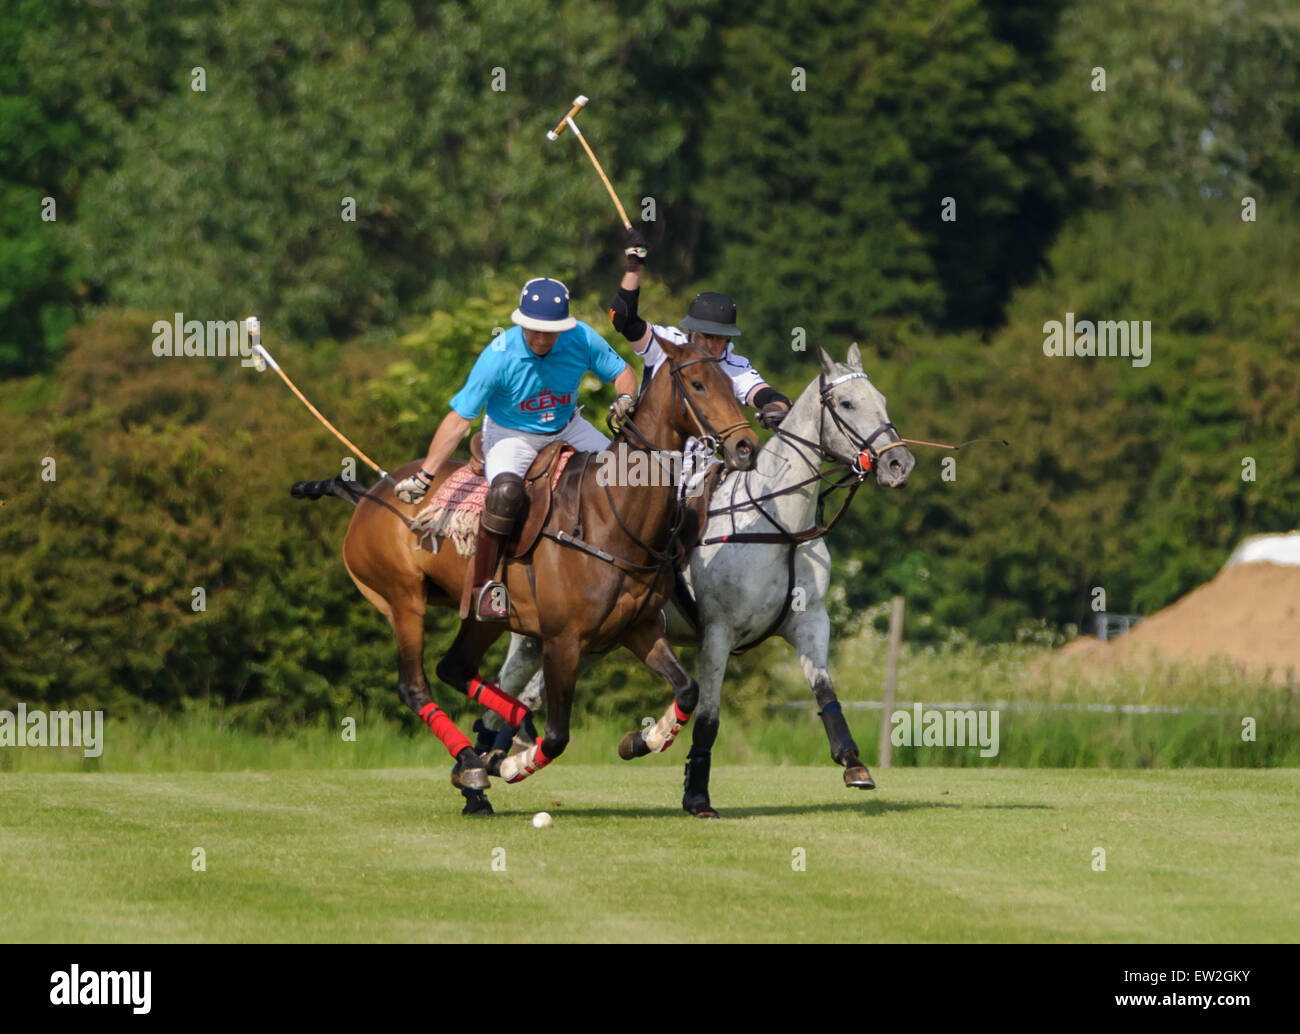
(560, 657)
(710, 669)
(808, 631)
(648, 643)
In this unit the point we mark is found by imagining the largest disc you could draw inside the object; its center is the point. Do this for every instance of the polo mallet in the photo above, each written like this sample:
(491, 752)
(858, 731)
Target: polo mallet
(262, 359)
(581, 102)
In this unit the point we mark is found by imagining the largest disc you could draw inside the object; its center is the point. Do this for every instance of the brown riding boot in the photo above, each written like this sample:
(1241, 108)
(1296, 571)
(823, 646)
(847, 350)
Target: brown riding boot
(504, 500)
(491, 601)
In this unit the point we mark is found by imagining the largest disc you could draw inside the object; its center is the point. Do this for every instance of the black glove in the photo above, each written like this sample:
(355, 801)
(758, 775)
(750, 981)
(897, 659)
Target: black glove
(635, 249)
(772, 414)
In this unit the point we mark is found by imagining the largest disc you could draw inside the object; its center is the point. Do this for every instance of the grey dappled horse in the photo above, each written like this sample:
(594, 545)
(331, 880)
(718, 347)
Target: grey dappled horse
(743, 589)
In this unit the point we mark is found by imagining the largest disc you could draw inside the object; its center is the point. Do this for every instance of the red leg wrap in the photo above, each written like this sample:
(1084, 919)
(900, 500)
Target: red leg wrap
(496, 699)
(444, 728)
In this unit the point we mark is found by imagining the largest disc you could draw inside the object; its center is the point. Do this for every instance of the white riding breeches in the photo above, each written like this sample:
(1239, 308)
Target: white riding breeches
(506, 450)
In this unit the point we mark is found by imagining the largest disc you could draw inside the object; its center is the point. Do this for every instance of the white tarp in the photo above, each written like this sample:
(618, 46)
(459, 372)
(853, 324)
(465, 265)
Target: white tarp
(1272, 549)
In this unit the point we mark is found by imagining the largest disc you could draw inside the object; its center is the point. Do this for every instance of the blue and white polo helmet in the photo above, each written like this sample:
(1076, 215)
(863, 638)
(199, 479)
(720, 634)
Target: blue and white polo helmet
(544, 305)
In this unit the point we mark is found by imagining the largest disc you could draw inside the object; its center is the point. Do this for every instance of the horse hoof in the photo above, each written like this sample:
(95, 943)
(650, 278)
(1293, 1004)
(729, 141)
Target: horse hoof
(633, 746)
(859, 778)
(492, 762)
(471, 776)
(700, 809)
(476, 803)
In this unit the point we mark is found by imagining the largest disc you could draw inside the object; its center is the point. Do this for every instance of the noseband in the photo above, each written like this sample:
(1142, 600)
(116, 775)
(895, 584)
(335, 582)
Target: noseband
(862, 443)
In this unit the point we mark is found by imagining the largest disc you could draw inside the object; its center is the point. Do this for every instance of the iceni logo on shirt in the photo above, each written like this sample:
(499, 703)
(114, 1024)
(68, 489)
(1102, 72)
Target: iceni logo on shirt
(546, 400)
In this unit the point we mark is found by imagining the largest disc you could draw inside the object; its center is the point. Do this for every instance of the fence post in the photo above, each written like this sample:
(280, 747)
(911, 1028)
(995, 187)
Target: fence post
(885, 754)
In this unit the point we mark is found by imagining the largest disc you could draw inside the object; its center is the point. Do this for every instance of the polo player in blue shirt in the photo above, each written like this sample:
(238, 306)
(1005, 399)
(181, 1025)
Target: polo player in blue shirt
(527, 380)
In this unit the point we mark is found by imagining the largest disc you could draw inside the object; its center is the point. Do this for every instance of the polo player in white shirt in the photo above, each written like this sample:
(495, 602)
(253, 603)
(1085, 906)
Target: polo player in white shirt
(710, 324)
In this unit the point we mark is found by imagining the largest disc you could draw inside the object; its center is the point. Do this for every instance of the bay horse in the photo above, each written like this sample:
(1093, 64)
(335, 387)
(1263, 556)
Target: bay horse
(762, 567)
(597, 577)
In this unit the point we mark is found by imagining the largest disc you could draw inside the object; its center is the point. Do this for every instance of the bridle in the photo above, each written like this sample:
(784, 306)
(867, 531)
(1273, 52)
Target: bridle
(712, 440)
(856, 470)
(855, 473)
(862, 443)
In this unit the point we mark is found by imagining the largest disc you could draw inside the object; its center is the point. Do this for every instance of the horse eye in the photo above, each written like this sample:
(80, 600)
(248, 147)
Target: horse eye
(847, 405)
(697, 385)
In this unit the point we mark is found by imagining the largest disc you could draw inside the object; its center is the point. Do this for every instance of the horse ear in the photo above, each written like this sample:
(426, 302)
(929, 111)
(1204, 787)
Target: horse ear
(855, 358)
(828, 364)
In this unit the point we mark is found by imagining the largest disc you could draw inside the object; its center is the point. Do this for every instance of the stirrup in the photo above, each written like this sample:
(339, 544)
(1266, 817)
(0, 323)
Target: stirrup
(484, 603)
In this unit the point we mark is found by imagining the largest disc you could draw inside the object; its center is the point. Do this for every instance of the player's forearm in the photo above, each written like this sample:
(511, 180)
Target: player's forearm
(625, 382)
(445, 439)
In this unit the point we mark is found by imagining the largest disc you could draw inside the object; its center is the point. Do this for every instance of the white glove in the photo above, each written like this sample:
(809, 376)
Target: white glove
(412, 489)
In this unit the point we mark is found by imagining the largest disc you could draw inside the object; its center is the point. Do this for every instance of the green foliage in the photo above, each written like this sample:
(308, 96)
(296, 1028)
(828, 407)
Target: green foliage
(219, 201)
(1202, 97)
(1119, 476)
(834, 191)
(36, 138)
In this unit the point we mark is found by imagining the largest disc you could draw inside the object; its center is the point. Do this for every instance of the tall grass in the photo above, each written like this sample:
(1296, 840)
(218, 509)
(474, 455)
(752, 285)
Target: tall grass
(1044, 707)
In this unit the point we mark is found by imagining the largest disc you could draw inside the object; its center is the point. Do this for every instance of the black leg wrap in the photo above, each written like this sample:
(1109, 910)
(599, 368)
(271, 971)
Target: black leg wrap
(703, 735)
(503, 738)
(487, 738)
(843, 750)
(695, 787)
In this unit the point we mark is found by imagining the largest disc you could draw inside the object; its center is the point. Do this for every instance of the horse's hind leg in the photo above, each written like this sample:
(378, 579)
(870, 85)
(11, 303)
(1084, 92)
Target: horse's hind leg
(413, 688)
(808, 631)
(650, 646)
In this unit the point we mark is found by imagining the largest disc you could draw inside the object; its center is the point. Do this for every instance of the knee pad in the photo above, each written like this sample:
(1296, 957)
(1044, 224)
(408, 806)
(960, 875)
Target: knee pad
(505, 497)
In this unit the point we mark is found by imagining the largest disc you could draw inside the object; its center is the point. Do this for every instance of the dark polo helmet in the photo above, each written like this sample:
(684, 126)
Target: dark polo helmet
(712, 313)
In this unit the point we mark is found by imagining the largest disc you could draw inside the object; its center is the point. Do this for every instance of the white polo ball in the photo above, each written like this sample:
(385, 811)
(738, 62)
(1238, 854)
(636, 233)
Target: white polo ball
(541, 820)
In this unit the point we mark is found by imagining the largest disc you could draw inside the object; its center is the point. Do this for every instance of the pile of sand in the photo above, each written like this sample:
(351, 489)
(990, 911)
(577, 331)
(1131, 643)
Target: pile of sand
(1249, 614)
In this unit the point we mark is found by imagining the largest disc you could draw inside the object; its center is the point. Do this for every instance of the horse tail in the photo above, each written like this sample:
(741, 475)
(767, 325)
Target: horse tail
(348, 490)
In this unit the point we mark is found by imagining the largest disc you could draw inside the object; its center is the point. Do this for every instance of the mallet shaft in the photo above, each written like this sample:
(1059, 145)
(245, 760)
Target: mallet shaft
(317, 413)
(627, 223)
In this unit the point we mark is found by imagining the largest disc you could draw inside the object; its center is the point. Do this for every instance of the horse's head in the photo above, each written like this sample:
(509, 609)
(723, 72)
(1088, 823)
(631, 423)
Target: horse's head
(703, 404)
(853, 424)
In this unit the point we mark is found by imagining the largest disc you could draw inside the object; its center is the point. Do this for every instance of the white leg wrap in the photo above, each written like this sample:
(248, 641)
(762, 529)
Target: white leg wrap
(522, 765)
(659, 737)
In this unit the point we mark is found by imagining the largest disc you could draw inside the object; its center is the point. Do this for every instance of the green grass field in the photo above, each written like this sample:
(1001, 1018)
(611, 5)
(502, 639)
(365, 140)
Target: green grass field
(384, 855)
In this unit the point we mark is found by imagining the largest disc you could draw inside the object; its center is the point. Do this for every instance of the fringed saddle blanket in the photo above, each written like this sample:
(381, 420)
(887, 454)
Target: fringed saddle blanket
(454, 511)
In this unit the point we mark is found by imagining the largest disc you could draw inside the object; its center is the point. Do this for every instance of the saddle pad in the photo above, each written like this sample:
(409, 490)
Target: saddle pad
(453, 512)
(455, 508)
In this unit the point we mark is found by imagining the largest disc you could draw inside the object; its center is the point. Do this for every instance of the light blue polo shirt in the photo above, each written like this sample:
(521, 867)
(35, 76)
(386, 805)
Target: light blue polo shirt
(534, 393)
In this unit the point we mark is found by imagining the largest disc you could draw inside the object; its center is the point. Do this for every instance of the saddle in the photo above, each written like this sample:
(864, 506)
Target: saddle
(454, 510)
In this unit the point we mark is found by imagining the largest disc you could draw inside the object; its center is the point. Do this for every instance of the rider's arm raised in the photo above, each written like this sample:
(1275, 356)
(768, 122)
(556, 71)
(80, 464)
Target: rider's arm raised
(622, 310)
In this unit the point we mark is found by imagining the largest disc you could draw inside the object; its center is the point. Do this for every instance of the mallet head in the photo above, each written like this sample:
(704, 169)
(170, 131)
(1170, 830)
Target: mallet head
(579, 102)
(254, 326)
